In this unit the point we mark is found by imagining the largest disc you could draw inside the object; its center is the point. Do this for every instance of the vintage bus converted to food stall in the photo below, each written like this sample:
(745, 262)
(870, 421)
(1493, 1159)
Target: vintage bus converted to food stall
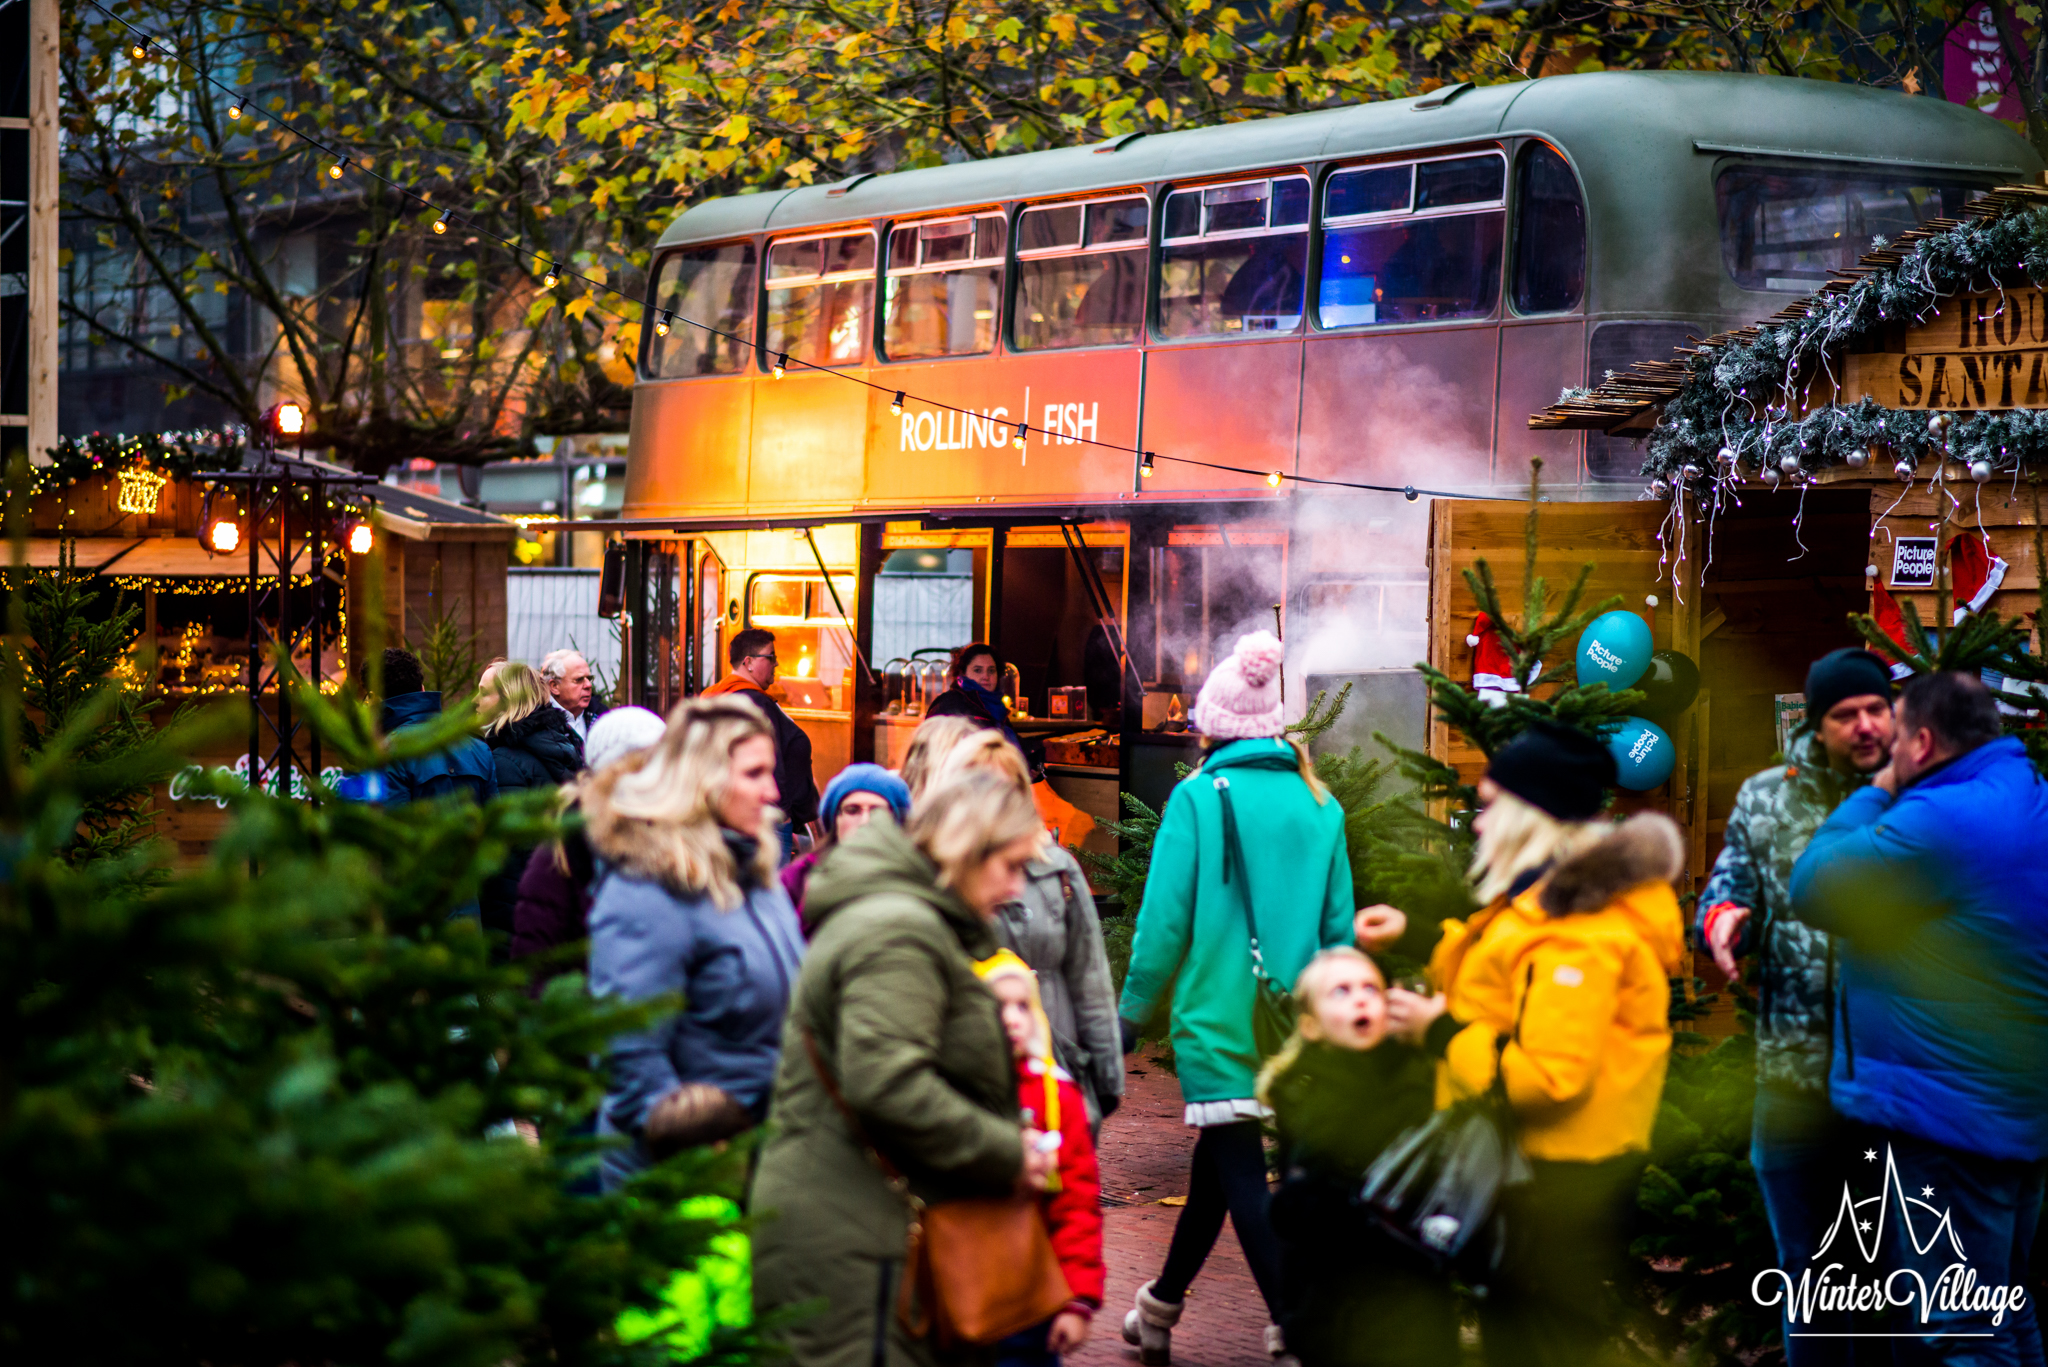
(1377, 295)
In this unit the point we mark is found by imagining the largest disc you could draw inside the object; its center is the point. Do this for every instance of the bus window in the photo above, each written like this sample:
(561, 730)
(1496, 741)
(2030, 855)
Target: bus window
(1080, 274)
(713, 285)
(1413, 243)
(940, 295)
(821, 297)
(1550, 233)
(1785, 229)
(1233, 259)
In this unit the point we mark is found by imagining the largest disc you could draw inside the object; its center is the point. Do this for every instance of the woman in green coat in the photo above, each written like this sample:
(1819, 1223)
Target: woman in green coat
(1291, 871)
(888, 1005)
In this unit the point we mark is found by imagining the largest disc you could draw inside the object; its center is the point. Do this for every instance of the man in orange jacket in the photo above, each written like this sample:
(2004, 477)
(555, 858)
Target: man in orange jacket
(752, 656)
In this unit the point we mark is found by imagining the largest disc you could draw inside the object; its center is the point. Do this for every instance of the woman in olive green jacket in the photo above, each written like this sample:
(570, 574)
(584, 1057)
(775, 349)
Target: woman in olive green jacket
(912, 1038)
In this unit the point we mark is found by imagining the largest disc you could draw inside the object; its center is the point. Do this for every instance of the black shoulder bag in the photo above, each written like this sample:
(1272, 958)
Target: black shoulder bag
(1273, 1008)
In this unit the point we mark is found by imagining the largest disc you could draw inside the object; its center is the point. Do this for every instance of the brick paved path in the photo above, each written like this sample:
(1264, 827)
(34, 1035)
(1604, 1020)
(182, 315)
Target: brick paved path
(1144, 1156)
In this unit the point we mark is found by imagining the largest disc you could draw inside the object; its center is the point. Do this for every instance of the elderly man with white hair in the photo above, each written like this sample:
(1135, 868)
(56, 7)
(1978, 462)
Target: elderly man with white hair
(567, 675)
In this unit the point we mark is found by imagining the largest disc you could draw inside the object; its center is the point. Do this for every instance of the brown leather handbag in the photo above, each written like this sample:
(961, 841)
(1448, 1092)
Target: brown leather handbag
(975, 1271)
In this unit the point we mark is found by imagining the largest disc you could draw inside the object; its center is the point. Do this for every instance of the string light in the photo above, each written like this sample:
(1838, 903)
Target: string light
(235, 110)
(1274, 478)
(139, 52)
(896, 404)
(360, 539)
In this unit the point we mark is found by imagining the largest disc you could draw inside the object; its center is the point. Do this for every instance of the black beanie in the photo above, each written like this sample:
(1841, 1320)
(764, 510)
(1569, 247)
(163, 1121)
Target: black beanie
(1851, 672)
(1562, 771)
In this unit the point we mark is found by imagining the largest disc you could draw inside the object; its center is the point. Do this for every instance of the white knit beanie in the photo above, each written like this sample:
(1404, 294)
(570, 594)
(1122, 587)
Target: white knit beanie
(1241, 700)
(619, 733)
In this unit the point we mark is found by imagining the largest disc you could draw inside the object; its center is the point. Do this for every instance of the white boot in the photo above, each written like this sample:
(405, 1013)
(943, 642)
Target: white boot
(1276, 1348)
(1150, 1327)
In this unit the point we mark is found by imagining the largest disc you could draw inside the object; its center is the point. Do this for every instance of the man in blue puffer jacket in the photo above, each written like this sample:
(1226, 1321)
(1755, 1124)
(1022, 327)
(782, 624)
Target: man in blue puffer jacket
(1935, 880)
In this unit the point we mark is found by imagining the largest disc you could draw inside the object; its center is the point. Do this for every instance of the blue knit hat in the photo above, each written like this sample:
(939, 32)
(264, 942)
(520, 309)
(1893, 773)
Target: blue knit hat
(866, 778)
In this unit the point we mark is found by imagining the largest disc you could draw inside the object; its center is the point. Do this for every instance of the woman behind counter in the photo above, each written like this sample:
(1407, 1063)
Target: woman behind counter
(976, 694)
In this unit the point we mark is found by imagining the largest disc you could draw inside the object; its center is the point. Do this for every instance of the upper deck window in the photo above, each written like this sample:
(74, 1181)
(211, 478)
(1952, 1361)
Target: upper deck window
(1550, 233)
(944, 280)
(713, 285)
(1413, 242)
(1233, 259)
(821, 298)
(1786, 229)
(1080, 274)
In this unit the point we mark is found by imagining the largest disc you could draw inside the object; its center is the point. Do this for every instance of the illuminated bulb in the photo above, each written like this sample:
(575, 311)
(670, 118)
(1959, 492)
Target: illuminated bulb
(661, 324)
(1273, 480)
(360, 538)
(1145, 466)
(291, 420)
(896, 404)
(235, 111)
(781, 364)
(1023, 431)
(225, 536)
(334, 171)
(552, 278)
(138, 52)
(441, 223)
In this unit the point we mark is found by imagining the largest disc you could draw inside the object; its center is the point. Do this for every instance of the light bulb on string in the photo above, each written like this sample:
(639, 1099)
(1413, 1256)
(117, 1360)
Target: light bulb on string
(896, 404)
(441, 223)
(235, 109)
(1023, 432)
(334, 171)
(1145, 466)
(781, 365)
(138, 51)
(661, 324)
(552, 278)
(1273, 479)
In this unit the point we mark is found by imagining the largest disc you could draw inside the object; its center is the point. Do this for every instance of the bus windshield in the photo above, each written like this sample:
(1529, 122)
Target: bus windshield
(1786, 228)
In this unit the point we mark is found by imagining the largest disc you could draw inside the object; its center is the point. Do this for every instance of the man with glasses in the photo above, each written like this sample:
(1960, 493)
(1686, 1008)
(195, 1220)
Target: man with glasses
(752, 655)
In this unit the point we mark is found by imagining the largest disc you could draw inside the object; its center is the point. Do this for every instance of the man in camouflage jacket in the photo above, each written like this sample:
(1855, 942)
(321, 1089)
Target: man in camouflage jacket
(1797, 1145)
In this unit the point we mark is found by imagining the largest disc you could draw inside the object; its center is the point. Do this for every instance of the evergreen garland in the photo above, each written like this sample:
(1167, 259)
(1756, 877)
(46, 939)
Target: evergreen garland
(1738, 413)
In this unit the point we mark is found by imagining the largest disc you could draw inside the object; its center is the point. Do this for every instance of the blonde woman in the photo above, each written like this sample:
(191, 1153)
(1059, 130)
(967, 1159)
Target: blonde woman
(531, 747)
(689, 905)
(893, 1042)
(1052, 924)
(1560, 989)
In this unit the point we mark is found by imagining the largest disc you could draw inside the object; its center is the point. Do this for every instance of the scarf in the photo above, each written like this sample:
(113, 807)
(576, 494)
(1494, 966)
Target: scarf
(992, 704)
(743, 849)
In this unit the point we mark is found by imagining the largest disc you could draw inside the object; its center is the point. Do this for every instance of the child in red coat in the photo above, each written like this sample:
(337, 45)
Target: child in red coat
(1072, 1203)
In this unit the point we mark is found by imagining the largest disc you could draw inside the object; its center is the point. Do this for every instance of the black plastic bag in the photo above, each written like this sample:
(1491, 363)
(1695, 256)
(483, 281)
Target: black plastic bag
(1437, 1188)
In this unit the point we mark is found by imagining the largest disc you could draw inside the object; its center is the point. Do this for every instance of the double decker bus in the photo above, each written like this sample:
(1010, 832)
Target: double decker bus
(1376, 295)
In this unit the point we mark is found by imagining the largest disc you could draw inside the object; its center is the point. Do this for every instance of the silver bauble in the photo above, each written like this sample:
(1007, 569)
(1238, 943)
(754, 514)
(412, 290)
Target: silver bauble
(1659, 489)
(1858, 458)
(1769, 476)
(1726, 455)
(1904, 469)
(1789, 463)
(1690, 472)
(1980, 470)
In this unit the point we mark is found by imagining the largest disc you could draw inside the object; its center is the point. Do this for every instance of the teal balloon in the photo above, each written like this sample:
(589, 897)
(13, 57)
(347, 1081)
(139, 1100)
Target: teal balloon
(1614, 649)
(1669, 685)
(1643, 754)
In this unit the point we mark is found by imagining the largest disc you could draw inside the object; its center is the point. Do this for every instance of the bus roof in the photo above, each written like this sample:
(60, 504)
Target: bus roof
(1607, 118)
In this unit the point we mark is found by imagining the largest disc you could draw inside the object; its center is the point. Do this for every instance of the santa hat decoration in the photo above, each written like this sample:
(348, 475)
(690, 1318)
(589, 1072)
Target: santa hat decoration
(1885, 610)
(1974, 572)
(1492, 670)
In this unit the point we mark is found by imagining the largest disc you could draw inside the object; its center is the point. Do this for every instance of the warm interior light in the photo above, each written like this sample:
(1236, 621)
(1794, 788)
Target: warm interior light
(360, 538)
(291, 420)
(224, 536)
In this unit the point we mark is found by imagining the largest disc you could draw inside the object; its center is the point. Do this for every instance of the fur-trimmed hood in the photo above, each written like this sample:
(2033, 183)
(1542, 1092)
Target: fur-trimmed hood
(1646, 848)
(654, 850)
